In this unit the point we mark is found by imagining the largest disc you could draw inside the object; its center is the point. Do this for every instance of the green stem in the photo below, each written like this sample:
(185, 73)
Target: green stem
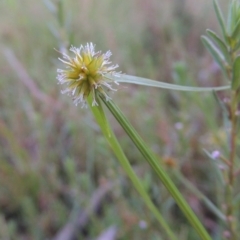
(231, 177)
(149, 156)
(114, 144)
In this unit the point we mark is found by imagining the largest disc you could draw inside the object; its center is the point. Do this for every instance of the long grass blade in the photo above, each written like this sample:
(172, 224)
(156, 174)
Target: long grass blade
(102, 121)
(123, 78)
(149, 156)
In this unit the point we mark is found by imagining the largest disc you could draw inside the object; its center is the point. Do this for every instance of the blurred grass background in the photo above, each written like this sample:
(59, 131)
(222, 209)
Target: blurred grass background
(55, 166)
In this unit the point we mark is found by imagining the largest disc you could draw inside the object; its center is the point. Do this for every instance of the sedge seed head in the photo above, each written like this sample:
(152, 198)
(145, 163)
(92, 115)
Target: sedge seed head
(85, 73)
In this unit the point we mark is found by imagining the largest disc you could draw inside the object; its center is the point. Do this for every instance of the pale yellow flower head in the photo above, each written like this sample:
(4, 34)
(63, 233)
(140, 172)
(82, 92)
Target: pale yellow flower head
(87, 72)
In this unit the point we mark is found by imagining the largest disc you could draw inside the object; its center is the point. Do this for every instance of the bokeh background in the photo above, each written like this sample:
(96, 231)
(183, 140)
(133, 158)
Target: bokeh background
(58, 177)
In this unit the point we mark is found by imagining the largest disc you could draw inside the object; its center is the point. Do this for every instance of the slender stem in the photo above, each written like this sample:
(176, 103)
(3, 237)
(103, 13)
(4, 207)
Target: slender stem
(229, 199)
(233, 139)
(114, 144)
(231, 174)
(149, 156)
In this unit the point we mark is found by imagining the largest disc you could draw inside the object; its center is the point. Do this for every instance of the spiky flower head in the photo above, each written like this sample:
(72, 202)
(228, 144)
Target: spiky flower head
(87, 72)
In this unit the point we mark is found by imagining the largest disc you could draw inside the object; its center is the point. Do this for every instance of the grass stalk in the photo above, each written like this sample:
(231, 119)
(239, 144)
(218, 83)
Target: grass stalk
(151, 159)
(102, 121)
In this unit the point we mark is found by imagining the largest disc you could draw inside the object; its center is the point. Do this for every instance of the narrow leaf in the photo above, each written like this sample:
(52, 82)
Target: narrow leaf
(123, 78)
(215, 52)
(222, 46)
(233, 16)
(236, 31)
(236, 74)
(220, 18)
(163, 176)
(114, 144)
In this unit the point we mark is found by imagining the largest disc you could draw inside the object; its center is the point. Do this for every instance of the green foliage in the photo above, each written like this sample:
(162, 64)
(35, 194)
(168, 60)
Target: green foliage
(215, 52)
(220, 18)
(221, 45)
(160, 171)
(123, 78)
(53, 159)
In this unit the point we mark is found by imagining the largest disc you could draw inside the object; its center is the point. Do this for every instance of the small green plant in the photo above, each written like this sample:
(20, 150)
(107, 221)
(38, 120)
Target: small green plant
(225, 52)
(87, 77)
(58, 178)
